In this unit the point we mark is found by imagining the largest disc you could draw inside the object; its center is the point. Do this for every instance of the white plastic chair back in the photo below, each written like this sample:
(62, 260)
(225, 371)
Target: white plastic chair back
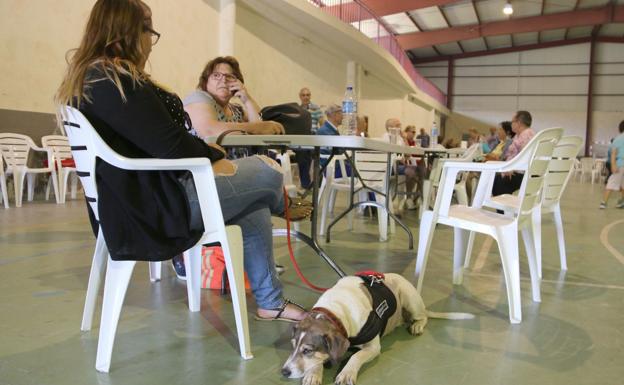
(61, 150)
(560, 169)
(436, 169)
(587, 165)
(372, 168)
(15, 148)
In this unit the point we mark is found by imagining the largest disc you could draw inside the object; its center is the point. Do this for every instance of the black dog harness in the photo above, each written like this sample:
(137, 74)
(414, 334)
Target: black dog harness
(384, 306)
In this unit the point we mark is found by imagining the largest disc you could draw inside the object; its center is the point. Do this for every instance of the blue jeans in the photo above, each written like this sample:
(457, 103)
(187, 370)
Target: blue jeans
(248, 198)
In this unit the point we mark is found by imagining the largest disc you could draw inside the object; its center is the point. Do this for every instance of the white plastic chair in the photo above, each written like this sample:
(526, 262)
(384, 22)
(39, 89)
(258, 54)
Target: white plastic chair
(533, 160)
(430, 185)
(86, 146)
(587, 166)
(4, 196)
(61, 150)
(15, 149)
(560, 170)
(331, 186)
(598, 169)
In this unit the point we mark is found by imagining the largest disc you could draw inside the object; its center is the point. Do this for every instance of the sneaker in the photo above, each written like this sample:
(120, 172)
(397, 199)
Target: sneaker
(603, 205)
(411, 205)
(280, 269)
(177, 263)
(620, 204)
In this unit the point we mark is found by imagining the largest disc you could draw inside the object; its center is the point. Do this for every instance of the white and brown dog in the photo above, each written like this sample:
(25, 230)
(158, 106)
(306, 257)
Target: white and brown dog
(338, 318)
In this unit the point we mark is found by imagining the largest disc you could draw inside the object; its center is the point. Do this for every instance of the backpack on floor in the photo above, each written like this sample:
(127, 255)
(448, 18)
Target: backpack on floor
(213, 273)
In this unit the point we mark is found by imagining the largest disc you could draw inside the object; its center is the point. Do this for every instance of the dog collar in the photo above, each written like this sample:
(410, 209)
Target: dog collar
(332, 318)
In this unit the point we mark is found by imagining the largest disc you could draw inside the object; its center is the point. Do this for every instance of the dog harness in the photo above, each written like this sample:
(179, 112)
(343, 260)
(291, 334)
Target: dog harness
(384, 306)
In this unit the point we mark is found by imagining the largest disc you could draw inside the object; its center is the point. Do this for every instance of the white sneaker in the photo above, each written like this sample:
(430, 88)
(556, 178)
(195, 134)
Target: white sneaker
(410, 205)
(620, 204)
(603, 205)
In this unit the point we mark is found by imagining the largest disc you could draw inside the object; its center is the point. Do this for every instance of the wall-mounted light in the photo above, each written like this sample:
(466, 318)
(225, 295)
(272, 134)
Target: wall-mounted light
(508, 9)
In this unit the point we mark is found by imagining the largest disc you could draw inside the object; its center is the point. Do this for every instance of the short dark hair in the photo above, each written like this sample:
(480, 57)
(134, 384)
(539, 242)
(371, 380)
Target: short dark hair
(210, 66)
(621, 127)
(524, 117)
(506, 125)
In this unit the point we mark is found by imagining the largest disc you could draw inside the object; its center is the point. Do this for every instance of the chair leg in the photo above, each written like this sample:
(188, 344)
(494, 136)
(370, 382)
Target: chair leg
(459, 250)
(529, 246)
(233, 255)
(18, 185)
(324, 203)
(461, 193)
(382, 219)
(427, 226)
(47, 192)
(507, 238)
(192, 263)
(55, 184)
(5, 193)
(118, 275)
(560, 237)
(536, 228)
(469, 247)
(95, 278)
(155, 271)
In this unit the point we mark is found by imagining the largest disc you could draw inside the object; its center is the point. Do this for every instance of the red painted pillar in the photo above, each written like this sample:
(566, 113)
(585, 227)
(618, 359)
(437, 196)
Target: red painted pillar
(588, 126)
(449, 83)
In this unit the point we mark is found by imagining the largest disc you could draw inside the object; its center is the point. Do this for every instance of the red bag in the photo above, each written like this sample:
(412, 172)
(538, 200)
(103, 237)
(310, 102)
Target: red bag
(213, 273)
(67, 162)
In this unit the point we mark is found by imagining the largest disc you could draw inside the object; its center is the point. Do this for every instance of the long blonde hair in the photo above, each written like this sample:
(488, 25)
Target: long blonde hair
(112, 44)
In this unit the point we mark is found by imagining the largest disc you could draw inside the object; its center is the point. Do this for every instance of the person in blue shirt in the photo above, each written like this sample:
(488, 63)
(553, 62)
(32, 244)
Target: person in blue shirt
(616, 180)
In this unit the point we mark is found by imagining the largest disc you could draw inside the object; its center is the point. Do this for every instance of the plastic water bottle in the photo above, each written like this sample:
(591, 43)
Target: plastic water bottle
(434, 135)
(349, 112)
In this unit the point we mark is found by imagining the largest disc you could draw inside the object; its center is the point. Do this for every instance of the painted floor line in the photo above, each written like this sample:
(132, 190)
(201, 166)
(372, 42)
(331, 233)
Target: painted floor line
(604, 238)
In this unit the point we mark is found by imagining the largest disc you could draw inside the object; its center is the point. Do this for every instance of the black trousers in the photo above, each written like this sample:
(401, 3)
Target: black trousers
(505, 184)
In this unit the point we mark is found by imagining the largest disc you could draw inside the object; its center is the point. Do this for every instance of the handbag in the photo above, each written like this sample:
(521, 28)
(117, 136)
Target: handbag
(295, 119)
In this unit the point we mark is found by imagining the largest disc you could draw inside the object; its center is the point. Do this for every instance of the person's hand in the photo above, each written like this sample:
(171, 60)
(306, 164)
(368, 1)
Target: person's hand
(507, 174)
(217, 147)
(237, 88)
(266, 128)
(223, 167)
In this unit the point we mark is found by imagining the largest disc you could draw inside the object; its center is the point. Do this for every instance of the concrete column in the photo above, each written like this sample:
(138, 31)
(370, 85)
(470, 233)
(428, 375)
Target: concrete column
(227, 22)
(354, 77)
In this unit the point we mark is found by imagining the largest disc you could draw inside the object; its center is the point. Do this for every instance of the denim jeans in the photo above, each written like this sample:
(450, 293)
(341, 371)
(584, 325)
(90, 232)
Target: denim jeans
(248, 198)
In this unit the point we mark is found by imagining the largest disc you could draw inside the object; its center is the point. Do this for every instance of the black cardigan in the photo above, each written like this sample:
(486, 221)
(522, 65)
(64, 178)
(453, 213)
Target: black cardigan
(144, 215)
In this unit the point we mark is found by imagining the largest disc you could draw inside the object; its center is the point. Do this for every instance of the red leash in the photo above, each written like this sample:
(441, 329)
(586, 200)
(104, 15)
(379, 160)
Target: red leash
(290, 250)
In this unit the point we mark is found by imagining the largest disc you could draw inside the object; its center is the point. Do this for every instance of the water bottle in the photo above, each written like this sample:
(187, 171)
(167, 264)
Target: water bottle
(434, 135)
(349, 112)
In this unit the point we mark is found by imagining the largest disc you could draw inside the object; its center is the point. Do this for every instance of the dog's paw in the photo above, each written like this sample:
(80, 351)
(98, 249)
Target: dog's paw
(346, 377)
(313, 378)
(417, 327)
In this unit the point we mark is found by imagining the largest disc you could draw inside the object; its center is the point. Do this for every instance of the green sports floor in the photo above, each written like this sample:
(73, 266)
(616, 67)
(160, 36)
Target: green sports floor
(574, 336)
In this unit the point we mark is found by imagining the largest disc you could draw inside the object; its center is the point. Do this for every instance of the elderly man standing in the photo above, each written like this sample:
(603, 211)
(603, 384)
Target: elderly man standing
(304, 157)
(507, 183)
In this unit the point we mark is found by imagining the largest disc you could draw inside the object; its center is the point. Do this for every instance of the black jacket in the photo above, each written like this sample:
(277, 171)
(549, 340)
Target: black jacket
(144, 215)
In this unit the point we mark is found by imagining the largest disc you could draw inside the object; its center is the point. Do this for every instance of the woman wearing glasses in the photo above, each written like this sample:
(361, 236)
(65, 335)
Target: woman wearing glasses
(209, 105)
(151, 215)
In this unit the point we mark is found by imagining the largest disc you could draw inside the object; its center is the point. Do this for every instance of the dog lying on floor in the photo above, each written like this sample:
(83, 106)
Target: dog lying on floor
(355, 312)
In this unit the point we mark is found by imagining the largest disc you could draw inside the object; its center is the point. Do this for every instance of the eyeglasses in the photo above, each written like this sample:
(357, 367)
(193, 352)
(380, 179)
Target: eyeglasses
(220, 75)
(306, 94)
(155, 35)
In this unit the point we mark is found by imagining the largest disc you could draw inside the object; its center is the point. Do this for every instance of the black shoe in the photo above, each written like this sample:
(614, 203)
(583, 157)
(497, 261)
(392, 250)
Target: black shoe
(280, 269)
(178, 266)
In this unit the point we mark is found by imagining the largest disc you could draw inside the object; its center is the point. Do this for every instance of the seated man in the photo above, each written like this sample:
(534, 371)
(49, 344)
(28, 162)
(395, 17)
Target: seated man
(507, 183)
(330, 127)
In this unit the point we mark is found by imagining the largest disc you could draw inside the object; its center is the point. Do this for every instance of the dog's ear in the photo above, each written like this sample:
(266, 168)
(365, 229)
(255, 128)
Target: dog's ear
(336, 345)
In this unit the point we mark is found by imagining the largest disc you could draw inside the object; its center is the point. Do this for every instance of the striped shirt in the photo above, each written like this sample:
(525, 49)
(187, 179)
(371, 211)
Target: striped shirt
(316, 114)
(519, 142)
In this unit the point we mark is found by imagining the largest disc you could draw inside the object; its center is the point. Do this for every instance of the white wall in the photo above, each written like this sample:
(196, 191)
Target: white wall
(551, 83)
(276, 63)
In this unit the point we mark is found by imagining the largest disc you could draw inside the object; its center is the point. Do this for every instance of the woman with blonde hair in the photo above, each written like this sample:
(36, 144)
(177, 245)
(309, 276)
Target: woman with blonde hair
(153, 215)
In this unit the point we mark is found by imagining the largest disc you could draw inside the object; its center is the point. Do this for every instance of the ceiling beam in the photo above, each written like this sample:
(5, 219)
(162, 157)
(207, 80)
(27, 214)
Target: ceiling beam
(528, 47)
(584, 17)
(350, 12)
